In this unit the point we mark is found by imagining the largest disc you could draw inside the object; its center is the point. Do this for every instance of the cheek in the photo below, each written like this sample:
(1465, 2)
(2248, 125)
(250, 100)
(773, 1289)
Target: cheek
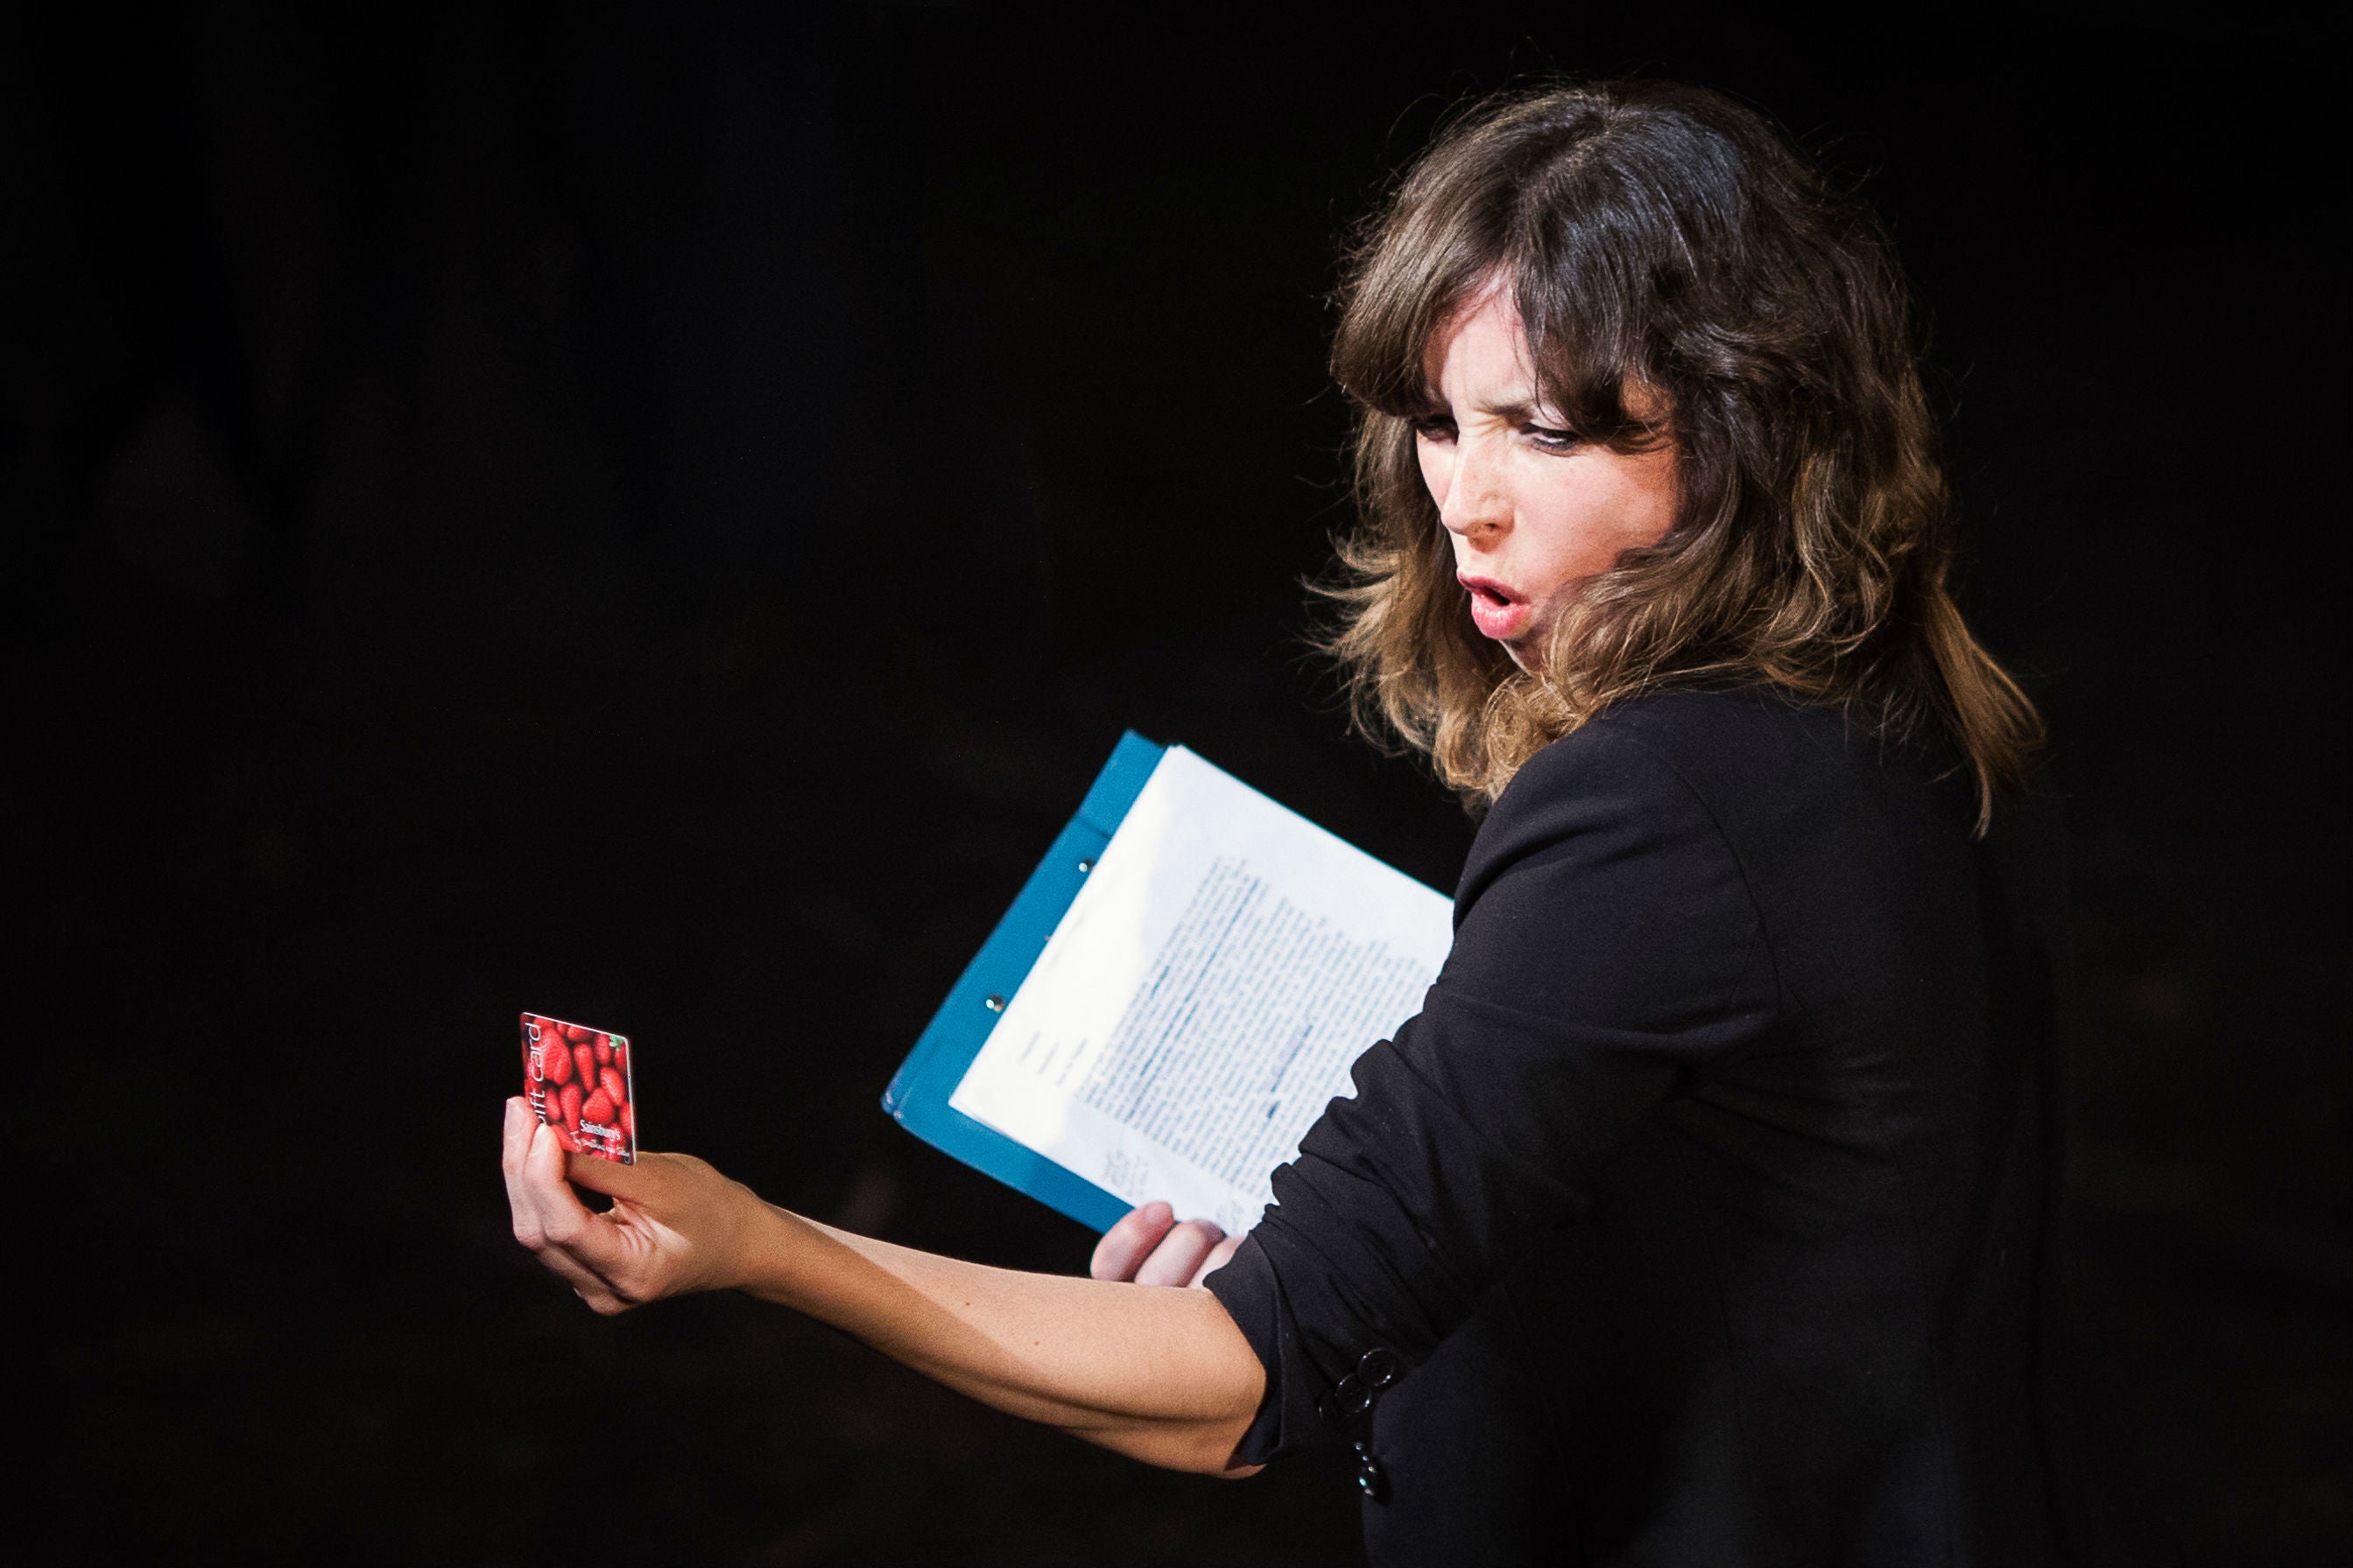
(1586, 527)
(1579, 544)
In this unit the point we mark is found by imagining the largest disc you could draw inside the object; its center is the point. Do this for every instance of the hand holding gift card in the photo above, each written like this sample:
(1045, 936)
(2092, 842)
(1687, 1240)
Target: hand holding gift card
(577, 1080)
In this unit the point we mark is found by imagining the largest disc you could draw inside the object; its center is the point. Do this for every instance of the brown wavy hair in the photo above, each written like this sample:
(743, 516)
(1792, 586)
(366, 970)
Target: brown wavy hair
(1667, 248)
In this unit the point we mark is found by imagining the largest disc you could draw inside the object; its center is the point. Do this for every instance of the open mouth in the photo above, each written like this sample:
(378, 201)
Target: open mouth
(1495, 610)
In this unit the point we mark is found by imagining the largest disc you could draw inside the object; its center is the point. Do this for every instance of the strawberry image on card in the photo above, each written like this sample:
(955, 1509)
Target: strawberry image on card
(578, 1081)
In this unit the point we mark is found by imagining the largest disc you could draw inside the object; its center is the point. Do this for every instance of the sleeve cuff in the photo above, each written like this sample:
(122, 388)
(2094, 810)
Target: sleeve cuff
(1286, 1420)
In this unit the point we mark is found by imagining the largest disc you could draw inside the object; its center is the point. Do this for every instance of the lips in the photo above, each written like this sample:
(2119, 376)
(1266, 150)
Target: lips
(1496, 610)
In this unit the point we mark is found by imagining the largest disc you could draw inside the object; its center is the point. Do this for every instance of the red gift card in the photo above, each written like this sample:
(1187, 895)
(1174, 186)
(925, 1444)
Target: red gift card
(578, 1080)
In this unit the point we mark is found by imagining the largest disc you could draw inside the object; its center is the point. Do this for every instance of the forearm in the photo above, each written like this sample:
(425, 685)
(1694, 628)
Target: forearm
(1155, 1373)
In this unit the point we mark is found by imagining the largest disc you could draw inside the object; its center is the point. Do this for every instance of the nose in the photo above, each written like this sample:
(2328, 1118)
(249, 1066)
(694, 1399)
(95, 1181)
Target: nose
(1476, 506)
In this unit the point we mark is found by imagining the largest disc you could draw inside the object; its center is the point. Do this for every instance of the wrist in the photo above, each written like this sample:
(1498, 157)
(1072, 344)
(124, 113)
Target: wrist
(769, 1251)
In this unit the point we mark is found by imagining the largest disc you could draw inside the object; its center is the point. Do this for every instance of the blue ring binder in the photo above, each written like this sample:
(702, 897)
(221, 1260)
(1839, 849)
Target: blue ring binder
(918, 1096)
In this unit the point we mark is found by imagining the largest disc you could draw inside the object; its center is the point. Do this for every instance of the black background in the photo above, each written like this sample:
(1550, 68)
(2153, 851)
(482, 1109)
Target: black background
(654, 515)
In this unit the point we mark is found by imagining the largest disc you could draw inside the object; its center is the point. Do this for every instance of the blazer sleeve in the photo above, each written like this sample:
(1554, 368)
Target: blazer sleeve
(1607, 953)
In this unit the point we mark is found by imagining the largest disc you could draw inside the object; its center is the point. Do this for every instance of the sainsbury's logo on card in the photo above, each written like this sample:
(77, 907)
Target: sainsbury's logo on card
(578, 1082)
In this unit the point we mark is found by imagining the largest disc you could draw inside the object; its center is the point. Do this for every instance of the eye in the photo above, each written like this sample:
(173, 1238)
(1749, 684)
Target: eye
(1546, 438)
(1434, 427)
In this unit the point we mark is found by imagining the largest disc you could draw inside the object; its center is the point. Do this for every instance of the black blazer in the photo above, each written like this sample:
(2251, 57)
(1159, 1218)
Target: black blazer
(1704, 1213)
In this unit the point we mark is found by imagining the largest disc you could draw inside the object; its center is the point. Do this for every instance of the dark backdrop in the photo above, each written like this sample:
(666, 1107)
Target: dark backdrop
(654, 515)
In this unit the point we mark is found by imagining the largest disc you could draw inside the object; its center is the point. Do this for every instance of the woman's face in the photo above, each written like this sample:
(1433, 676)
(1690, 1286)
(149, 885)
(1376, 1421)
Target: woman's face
(1533, 512)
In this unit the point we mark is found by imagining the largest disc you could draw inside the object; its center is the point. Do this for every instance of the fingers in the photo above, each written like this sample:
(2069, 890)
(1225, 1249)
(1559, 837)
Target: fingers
(586, 1282)
(526, 1199)
(547, 1184)
(514, 1146)
(563, 1222)
(1126, 1245)
(1149, 1247)
(1219, 1256)
(516, 1136)
(1181, 1253)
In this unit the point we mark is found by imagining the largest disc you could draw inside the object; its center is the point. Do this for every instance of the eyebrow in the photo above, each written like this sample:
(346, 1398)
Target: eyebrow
(1515, 411)
(1523, 411)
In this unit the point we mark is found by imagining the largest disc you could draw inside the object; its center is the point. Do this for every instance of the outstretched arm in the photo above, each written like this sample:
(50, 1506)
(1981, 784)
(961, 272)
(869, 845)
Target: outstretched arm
(1154, 1371)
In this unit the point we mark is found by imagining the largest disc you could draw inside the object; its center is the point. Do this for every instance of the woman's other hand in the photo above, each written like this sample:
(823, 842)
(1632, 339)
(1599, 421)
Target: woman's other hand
(1149, 1247)
(676, 1223)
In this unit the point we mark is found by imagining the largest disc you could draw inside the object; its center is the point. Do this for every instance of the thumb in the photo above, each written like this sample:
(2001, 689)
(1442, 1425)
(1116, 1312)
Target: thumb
(640, 1182)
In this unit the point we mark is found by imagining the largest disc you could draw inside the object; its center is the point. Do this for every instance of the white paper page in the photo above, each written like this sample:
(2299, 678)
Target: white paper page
(1204, 996)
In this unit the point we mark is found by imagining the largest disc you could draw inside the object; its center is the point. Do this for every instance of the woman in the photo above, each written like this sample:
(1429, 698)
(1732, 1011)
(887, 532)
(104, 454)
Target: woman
(1703, 1215)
